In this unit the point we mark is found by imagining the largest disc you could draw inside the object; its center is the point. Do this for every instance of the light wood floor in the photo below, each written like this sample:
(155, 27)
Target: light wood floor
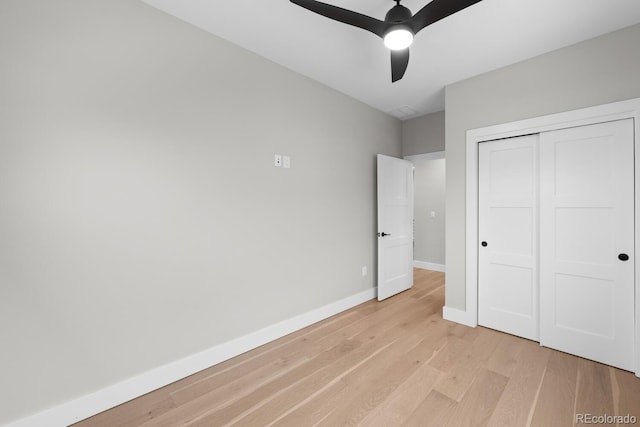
(390, 363)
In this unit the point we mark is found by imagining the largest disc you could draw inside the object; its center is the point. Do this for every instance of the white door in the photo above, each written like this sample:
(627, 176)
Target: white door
(587, 242)
(507, 220)
(395, 226)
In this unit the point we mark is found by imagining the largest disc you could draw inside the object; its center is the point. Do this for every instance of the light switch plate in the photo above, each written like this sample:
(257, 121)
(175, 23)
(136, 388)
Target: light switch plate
(286, 162)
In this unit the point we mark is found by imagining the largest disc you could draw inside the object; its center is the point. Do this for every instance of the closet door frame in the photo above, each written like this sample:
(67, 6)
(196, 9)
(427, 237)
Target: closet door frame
(586, 116)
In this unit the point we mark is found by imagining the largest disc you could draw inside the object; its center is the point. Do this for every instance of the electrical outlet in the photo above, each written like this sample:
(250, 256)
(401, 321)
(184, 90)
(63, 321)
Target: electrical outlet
(286, 162)
(278, 161)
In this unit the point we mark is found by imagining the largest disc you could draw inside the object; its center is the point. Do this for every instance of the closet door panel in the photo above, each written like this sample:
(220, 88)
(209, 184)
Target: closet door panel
(507, 274)
(586, 221)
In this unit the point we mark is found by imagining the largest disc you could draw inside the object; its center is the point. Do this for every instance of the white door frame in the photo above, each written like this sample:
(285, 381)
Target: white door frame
(585, 116)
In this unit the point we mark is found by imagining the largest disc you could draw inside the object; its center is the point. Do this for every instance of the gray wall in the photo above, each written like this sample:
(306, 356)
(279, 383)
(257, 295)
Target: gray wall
(598, 71)
(141, 218)
(429, 192)
(424, 134)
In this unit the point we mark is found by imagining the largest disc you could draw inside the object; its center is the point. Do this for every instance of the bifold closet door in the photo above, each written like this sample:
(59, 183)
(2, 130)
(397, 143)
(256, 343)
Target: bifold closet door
(587, 242)
(507, 221)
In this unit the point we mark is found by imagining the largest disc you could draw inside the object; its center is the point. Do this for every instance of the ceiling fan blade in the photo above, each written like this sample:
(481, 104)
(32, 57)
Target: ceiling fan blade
(365, 22)
(399, 62)
(437, 10)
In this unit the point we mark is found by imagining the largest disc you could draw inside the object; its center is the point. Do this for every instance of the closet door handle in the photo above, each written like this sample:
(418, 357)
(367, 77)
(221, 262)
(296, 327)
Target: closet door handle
(623, 257)
(484, 244)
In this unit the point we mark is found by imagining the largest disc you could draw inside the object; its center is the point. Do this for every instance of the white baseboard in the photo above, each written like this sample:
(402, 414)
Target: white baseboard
(458, 316)
(116, 394)
(428, 266)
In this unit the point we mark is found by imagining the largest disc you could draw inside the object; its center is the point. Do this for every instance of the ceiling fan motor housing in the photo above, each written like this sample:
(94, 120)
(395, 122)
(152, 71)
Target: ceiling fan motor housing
(398, 13)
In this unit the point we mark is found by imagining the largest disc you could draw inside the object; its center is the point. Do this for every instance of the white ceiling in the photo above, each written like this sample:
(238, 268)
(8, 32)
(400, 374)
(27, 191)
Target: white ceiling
(488, 35)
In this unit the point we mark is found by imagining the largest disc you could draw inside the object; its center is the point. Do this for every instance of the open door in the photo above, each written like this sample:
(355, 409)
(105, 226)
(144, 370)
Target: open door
(395, 226)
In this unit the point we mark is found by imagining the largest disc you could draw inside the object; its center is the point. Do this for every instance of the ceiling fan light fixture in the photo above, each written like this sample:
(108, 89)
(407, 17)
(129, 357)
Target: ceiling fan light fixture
(398, 38)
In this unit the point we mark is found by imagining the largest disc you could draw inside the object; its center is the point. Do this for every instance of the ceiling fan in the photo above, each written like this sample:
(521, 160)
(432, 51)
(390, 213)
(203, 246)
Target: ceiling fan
(399, 25)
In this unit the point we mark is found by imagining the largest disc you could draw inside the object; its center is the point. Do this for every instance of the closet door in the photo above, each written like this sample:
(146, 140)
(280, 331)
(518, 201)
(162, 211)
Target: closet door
(587, 242)
(507, 256)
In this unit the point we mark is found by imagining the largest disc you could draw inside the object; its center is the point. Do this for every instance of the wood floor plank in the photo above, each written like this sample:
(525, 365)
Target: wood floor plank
(314, 410)
(516, 404)
(468, 364)
(371, 388)
(555, 406)
(504, 359)
(316, 383)
(628, 394)
(434, 411)
(446, 359)
(478, 404)
(593, 391)
(404, 400)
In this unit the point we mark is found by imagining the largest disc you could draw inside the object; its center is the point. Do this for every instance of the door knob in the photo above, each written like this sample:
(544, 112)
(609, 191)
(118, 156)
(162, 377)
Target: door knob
(383, 234)
(623, 257)
(484, 244)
